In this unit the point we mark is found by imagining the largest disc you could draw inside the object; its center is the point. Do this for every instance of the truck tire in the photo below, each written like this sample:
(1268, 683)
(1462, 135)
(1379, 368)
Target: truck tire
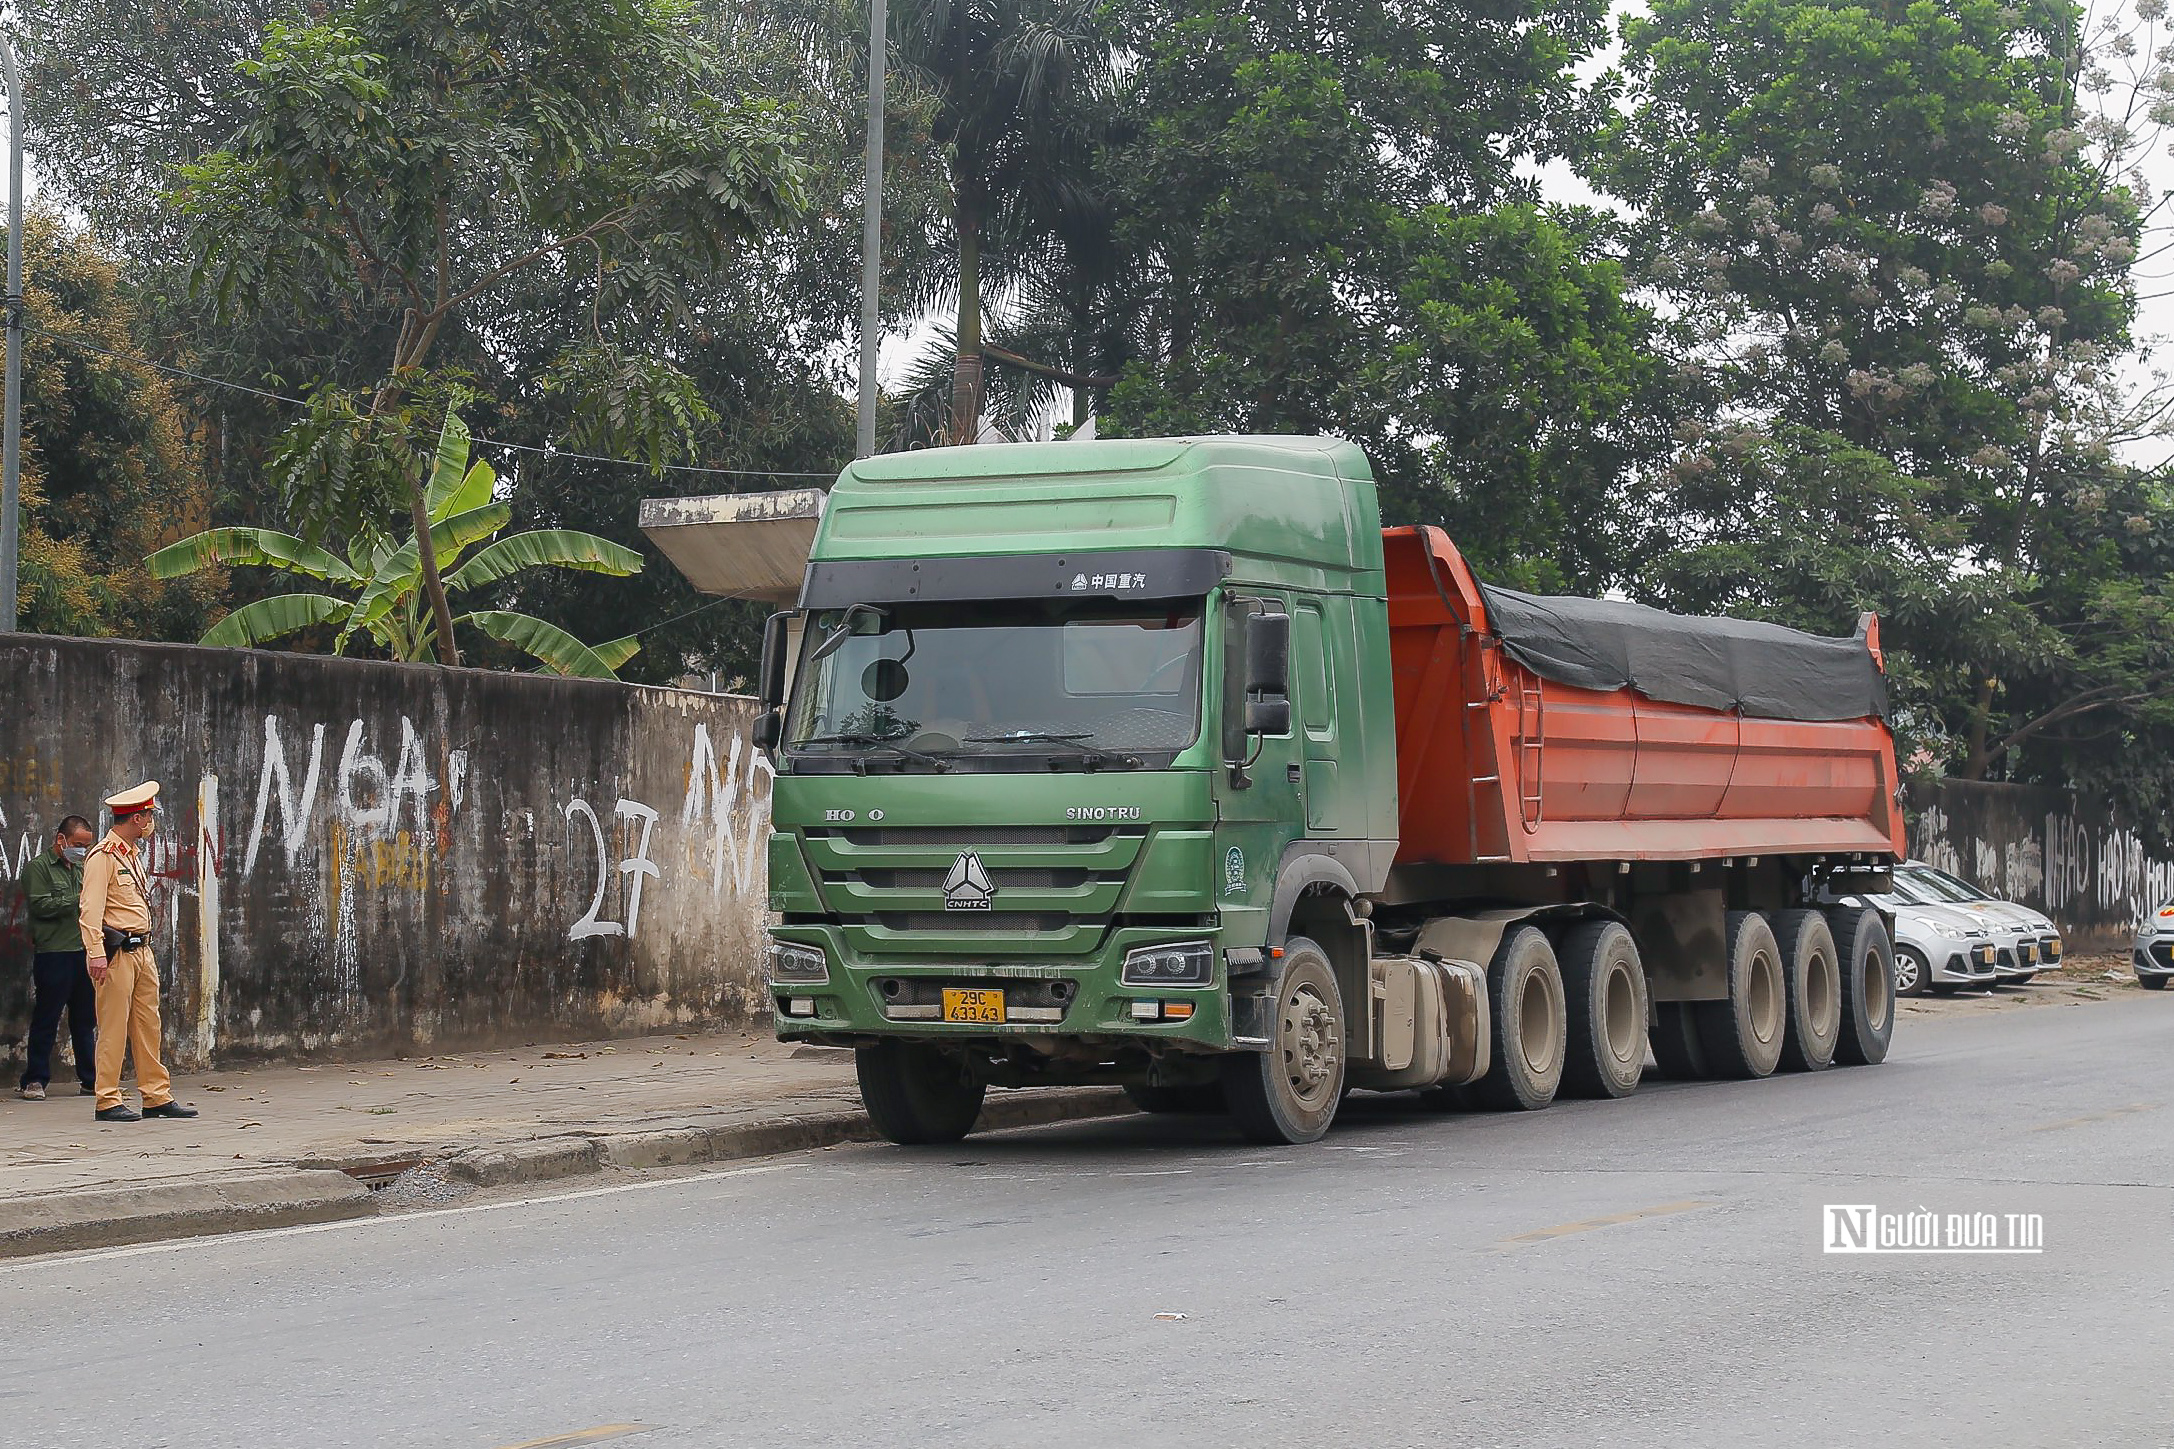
(1200, 1097)
(1815, 991)
(1675, 1042)
(1742, 1036)
(1604, 993)
(915, 1095)
(1289, 1094)
(1867, 964)
(1525, 1003)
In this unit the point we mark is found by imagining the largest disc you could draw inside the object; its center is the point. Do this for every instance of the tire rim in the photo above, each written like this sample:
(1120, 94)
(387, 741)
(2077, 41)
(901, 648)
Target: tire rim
(1821, 1007)
(1312, 1045)
(1876, 988)
(1905, 978)
(1763, 997)
(1619, 1014)
(1538, 1023)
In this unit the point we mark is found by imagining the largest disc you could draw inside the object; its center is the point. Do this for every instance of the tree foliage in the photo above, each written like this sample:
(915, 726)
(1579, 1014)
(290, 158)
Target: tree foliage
(109, 469)
(382, 582)
(1900, 241)
(368, 138)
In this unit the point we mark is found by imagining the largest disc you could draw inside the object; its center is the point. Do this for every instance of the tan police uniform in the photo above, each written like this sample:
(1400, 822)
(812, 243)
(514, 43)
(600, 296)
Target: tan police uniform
(128, 999)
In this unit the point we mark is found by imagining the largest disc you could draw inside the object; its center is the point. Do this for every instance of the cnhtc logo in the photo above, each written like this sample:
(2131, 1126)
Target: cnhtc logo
(967, 887)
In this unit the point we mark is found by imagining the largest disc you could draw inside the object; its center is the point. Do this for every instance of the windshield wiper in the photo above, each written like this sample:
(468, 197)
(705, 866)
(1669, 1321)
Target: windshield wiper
(1094, 756)
(889, 742)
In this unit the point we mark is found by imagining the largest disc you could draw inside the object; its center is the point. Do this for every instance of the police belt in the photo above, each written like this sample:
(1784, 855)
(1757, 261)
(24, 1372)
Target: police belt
(118, 940)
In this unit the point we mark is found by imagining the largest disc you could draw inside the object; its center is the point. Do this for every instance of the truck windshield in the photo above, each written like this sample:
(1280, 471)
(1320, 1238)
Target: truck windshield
(1100, 683)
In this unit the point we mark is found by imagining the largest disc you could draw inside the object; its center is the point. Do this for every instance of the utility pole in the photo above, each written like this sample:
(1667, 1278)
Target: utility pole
(11, 450)
(871, 233)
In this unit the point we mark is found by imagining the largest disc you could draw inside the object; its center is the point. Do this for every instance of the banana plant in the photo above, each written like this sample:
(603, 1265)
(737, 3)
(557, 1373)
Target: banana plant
(380, 581)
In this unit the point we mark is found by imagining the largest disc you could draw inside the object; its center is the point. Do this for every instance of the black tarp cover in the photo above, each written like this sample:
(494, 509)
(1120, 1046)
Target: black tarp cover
(1735, 664)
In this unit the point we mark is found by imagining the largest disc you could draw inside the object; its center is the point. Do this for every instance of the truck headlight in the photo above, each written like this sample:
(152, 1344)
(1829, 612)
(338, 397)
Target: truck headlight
(789, 961)
(1191, 963)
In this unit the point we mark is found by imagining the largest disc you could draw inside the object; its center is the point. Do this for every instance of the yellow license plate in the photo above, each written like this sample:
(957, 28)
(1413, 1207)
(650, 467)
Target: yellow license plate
(1985, 954)
(980, 1006)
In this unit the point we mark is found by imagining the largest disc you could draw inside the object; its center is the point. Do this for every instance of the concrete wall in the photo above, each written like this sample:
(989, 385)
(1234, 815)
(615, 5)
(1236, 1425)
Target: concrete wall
(359, 857)
(2086, 869)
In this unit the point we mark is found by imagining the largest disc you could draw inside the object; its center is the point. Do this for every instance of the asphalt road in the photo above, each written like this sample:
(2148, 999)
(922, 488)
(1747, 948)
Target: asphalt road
(1641, 1272)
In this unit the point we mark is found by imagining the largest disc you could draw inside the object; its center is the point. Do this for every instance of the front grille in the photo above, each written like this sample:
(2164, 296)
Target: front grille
(956, 923)
(947, 835)
(2050, 948)
(1003, 878)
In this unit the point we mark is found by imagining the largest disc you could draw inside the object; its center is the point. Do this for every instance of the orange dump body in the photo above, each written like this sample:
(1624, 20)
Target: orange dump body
(1495, 763)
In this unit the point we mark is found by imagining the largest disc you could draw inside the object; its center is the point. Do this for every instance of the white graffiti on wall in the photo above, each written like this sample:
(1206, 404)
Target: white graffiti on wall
(738, 815)
(2070, 868)
(346, 827)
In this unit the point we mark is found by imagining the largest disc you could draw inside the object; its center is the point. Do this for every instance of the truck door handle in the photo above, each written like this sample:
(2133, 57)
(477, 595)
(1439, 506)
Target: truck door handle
(1294, 773)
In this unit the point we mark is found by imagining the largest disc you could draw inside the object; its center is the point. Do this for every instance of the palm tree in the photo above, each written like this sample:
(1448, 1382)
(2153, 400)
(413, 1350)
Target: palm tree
(1010, 79)
(384, 577)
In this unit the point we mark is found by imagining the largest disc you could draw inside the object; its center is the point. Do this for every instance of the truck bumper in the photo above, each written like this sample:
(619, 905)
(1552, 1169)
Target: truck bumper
(1077, 1002)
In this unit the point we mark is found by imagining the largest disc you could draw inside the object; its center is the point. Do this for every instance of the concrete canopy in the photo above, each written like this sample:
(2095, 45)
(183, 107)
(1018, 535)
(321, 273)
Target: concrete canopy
(739, 545)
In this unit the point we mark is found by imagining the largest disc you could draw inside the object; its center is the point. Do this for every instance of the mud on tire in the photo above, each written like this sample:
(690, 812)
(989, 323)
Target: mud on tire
(1604, 993)
(1289, 1094)
(915, 1094)
(1814, 985)
(1867, 964)
(1525, 1001)
(1741, 1037)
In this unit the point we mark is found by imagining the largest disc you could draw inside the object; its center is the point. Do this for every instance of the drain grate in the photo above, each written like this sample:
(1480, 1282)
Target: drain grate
(377, 1176)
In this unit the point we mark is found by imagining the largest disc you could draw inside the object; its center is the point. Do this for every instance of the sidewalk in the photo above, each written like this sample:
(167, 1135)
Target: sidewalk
(283, 1144)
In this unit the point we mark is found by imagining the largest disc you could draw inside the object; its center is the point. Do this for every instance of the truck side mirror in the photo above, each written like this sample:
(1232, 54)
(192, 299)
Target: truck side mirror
(1270, 716)
(769, 729)
(770, 684)
(1268, 656)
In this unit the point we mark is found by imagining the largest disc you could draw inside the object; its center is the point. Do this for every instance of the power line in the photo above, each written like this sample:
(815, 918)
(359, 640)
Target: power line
(544, 452)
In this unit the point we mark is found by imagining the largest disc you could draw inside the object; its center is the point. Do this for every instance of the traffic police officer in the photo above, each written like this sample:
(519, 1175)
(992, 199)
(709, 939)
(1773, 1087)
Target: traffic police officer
(116, 921)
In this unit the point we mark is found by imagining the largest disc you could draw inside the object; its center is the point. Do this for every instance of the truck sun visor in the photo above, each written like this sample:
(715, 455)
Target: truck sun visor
(1169, 573)
(1755, 668)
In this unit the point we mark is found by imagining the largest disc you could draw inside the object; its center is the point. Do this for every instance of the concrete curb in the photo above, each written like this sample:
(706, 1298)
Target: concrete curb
(148, 1212)
(688, 1146)
(318, 1191)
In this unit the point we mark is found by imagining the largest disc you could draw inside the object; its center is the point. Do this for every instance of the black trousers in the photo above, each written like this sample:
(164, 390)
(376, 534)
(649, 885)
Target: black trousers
(63, 982)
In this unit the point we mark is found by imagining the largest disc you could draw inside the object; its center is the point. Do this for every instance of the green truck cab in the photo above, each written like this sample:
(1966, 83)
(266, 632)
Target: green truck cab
(1071, 729)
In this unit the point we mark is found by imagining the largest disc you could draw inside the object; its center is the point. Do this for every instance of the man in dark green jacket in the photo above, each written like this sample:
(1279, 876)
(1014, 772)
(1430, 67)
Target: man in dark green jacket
(54, 884)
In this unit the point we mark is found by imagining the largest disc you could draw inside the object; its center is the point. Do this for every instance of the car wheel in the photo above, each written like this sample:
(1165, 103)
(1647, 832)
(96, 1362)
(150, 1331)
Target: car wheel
(2151, 983)
(1913, 977)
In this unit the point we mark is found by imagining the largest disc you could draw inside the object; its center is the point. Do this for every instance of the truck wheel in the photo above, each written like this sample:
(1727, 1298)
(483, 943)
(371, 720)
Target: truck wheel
(1742, 1036)
(1912, 976)
(914, 1094)
(1815, 991)
(1525, 1004)
(1675, 1042)
(1289, 1093)
(1867, 964)
(1197, 1097)
(1604, 990)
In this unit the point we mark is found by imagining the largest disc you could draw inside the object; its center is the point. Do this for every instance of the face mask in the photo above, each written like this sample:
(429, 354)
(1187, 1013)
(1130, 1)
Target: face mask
(76, 854)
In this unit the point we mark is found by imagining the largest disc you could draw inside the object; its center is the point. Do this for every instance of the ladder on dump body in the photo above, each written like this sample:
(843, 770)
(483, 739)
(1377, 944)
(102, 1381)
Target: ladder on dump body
(1531, 738)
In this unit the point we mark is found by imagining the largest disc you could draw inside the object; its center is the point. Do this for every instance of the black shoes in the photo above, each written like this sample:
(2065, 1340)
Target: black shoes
(168, 1109)
(122, 1113)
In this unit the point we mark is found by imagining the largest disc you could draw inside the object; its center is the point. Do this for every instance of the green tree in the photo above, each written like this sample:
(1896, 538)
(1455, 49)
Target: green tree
(1327, 231)
(109, 470)
(1011, 83)
(384, 581)
(370, 141)
(1900, 240)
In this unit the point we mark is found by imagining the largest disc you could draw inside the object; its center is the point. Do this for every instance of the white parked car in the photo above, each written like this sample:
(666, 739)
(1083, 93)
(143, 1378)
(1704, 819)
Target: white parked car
(2027, 941)
(2155, 948)
(1938, 949)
